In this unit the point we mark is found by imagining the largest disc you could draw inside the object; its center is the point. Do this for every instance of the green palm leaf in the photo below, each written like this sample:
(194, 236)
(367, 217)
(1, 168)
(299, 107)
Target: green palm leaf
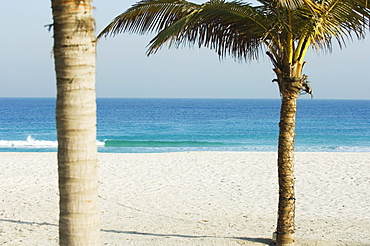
(339, 19)
(241, 30)
(229, 28)
(148, 16)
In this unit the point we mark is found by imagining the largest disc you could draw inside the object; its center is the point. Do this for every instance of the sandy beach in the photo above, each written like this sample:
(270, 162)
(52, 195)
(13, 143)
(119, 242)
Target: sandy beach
(196, 198)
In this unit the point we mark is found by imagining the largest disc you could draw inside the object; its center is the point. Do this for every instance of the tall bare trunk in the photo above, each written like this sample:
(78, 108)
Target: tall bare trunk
(286, 207)
(291, 83)
(74, 52)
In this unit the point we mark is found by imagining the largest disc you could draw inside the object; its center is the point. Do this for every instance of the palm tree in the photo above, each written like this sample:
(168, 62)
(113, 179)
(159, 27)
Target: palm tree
(284, 29)
(74, 53)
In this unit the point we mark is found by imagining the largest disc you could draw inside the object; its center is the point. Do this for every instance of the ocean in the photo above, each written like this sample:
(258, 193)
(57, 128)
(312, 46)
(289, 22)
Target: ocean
(172, 125)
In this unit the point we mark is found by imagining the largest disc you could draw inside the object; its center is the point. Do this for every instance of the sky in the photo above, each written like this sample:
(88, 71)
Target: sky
(124, 70)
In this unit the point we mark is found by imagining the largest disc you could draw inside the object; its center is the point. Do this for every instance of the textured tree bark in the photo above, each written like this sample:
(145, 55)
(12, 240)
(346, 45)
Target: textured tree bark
(290, 85)
(74, 55)
(286, 207)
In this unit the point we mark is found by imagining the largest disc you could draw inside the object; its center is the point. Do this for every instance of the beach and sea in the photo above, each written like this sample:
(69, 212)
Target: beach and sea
(192, 171)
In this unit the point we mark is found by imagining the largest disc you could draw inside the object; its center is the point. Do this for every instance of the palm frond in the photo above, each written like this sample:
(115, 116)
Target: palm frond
(230, 28)
(148, 16)
(291, 4)
(284, 27)
(341, 20)
(285, 4)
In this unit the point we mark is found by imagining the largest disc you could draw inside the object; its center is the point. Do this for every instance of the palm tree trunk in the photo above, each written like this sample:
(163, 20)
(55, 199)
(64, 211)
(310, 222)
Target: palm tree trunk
(291, 83)
(74, 53)
(286, 207)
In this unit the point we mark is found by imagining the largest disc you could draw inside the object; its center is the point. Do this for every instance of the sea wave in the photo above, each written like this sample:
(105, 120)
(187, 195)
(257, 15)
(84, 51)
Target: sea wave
(156, 144)
(152, 146)
(332, 149)
(30, 142)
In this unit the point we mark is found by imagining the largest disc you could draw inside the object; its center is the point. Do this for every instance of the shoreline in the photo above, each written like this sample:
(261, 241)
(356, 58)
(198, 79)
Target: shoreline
(197, 151)
(193, 198)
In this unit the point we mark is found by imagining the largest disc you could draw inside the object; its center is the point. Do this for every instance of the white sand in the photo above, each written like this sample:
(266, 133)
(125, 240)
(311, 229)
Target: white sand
(196, 198)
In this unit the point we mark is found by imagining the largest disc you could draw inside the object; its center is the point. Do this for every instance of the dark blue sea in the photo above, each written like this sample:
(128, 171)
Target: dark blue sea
(171, 125)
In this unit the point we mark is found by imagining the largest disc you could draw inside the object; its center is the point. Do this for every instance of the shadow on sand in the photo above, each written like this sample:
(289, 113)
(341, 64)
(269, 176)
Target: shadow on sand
(257, 240)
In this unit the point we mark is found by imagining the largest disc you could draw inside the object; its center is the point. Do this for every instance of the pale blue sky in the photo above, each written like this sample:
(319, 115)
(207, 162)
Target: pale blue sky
(123, 69)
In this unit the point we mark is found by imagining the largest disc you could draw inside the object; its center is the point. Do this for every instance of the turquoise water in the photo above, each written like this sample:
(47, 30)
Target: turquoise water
(168, 125)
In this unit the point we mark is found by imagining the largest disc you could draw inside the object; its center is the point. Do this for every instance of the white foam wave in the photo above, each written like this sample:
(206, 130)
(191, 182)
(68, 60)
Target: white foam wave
(32, 143)
(353, 149)
(334, 149)
(100, 144)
